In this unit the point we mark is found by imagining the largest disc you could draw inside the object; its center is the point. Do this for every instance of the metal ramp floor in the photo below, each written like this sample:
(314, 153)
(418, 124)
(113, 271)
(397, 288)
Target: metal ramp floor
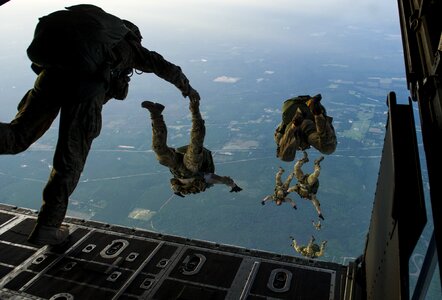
(102, 261)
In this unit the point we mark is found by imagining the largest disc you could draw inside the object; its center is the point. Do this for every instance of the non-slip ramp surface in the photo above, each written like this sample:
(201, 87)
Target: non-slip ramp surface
(101, 261)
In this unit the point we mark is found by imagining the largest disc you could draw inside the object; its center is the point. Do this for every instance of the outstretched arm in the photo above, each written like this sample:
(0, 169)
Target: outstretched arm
(153, 62)
(266, 198)
(294, 188)
(212, 178)
(292, 203)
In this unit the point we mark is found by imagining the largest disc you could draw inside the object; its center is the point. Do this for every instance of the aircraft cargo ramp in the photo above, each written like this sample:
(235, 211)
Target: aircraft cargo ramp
(103, 261)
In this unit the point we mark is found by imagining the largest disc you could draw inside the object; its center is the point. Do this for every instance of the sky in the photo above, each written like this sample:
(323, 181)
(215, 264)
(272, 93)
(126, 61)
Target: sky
(186, 30)
(243, 19)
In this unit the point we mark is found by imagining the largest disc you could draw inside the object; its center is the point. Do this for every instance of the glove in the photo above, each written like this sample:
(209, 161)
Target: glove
(236, 189)
(193, 95)
(187, 90)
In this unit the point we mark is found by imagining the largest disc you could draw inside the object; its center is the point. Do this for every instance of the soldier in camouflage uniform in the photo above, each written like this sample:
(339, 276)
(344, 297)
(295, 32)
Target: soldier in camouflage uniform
(281, 190)
(317, 225)
(309, 126)
(78, 97)
(192, 165)
(308, 184)
(312, 250)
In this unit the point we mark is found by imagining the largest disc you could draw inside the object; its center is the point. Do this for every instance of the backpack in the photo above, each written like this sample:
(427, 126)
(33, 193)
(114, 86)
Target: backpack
(286, 149)
(77, 39)
(306, 189)
(289, 108)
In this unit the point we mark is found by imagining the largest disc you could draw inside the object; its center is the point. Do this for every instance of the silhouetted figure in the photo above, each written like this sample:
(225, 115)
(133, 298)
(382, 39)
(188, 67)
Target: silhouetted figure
(311, 250)
(192, 166)
(281, 190)
(304, 123)
(83, 57)
(308, 184)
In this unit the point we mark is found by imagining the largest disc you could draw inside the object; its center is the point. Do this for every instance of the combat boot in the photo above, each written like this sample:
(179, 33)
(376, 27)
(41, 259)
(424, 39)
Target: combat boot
(48, 235)
(318, 160)
(305, 157)
(155, 109)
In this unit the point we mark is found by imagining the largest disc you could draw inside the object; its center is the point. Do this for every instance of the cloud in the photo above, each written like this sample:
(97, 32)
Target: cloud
(340, 81)
(386, 80)
(226, 79)
(272, 111)
(269, 72)
(203, 60)
(318, 34)
(225, 153)
(335, 65)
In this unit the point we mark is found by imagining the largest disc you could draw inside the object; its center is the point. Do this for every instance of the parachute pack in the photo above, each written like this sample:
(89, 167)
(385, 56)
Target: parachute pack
(77, 39)
(290, 106)
(285, 151)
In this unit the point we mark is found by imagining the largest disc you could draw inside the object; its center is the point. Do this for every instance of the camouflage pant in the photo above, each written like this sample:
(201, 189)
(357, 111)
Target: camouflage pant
(167, 156)
(318, 133)
(281, 188)
(307, 181)
(310, 179)
(80, 123)
(278, 182)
